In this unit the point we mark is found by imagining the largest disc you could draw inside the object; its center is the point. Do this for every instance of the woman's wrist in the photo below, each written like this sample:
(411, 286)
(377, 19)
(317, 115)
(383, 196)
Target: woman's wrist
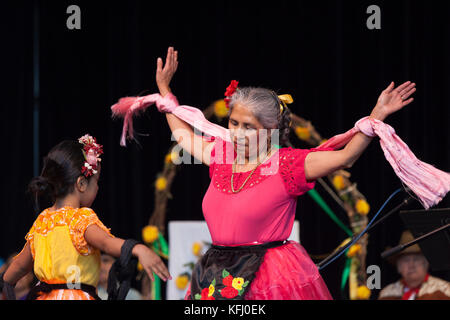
(164, 90)
(378, 114)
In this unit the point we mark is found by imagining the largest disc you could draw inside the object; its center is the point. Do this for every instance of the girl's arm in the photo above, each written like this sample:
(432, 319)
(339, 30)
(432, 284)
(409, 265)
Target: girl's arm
(181, 130)
(149, 260)
(319, 164)
(21, 265)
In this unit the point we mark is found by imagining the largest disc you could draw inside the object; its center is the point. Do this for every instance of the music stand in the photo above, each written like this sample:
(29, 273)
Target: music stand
(436, 248)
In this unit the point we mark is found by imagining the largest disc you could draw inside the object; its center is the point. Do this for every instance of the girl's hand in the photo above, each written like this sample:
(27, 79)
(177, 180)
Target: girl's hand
(151, 262)
(392, 100)
(164, 75)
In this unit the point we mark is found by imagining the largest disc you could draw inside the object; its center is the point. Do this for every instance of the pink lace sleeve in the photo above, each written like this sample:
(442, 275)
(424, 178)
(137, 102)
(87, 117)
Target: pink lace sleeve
(292, 169)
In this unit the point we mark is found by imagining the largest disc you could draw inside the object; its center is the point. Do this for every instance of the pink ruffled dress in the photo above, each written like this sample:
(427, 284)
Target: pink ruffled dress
(264, 211)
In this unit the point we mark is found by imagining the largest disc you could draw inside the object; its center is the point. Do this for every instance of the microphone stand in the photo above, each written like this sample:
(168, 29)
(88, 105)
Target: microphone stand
(334, 254)
(399, 248)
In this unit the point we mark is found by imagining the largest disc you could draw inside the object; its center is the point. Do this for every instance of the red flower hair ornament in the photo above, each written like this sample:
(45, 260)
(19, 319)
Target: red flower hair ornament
(231, 89)
(92, 152)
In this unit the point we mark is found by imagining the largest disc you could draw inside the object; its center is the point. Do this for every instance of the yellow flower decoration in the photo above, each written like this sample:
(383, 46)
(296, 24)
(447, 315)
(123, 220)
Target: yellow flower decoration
(161, 183)
(220, 109)
(339, 182)
(303, 133)
(150, 234)
(197, 248)
(237, 283)
(171, 157)
(168, 158)
(140, 267)
(363, 293)
(353, 250)
(362, 207)
(211, 290)
(181, 282)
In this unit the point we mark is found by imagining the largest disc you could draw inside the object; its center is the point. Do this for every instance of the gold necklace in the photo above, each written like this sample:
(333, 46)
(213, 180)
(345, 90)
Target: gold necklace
(232, 175)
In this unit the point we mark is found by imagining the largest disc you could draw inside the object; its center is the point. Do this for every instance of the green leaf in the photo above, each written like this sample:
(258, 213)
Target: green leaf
(190, 265)
(225, 273)
(245, 284)
(214, 282)
(163, 243)
(198, 296)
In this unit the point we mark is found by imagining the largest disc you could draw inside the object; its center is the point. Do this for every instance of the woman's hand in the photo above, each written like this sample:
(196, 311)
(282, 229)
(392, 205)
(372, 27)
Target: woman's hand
(392, 100)
(164, 75)
(151, 262)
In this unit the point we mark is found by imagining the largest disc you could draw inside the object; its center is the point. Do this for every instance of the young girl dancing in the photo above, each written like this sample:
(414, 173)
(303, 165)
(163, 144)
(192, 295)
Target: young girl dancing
(64, 243)
(251, 202)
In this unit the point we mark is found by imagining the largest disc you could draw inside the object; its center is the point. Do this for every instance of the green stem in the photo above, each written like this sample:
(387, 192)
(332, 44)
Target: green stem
(319, 200)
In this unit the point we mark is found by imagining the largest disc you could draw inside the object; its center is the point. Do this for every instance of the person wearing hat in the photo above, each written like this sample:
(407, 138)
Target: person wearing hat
(416, 283)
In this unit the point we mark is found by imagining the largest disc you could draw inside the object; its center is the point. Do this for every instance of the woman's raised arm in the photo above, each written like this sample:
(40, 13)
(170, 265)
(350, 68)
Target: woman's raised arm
(319, 164)
(181, 130)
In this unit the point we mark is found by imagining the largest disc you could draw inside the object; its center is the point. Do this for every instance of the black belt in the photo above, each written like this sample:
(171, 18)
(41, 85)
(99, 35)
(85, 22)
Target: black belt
(47, 287)
(263, 246)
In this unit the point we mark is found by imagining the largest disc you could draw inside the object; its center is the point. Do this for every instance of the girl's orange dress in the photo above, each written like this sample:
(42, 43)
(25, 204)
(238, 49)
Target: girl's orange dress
(61, 253)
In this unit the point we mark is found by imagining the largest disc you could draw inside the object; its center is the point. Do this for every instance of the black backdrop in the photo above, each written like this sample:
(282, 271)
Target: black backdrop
(320, 52)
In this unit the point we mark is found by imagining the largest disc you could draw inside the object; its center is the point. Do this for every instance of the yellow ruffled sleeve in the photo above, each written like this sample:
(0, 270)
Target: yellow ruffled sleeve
(79, 222)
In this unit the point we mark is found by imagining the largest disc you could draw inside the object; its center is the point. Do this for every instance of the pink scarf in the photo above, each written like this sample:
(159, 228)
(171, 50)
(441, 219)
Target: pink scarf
(427, 182)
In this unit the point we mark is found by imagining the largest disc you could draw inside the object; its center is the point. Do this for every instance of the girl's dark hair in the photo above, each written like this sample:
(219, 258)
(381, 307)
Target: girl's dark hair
(62, 167)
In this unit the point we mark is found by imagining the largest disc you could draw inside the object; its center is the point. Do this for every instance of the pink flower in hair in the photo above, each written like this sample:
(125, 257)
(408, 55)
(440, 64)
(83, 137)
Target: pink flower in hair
(92, 151)
(91, 157)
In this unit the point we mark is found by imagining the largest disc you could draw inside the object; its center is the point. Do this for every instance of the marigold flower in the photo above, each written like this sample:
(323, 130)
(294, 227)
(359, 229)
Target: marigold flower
(197, 248)
(302, 133)
(339, 182)
(171, 157)
(150, 234)
(363, 293)
(362, 207)
(220, 109)
(353, 250)
(182, 281)
(161, 183)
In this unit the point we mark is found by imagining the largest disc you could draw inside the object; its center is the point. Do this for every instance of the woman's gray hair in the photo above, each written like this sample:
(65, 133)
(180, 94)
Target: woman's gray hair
(265, 106)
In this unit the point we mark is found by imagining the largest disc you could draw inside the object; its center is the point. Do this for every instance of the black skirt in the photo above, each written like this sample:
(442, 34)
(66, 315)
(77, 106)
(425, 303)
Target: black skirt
(225, 273)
